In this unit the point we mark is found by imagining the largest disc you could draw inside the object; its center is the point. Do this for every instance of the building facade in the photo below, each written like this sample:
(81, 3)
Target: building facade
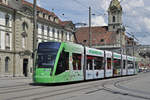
(16, 35)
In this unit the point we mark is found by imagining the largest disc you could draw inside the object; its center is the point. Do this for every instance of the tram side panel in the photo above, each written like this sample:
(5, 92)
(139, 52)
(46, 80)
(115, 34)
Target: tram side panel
(108, 64)
(94, 64)
(76, 60)
(130, 65)
(116, 64)
(124, 61)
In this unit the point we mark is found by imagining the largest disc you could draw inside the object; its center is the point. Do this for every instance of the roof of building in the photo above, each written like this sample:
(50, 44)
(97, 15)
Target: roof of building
(100, 35)
(62, 23)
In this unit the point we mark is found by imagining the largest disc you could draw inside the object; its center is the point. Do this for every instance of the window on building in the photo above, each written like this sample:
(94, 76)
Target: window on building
(66, 36)
(7, 64)
(7, 40)
(24, 26)
(49, 17)
(42, 28)
(58, 34)
(53, 32)
(102, 40)
(48, 31)
(76, 63)
(44, 15)
(23, 42)
(114, 19)
(70, 37)
(7, 20)
(113, 26)
(38, 12)
(37, 26)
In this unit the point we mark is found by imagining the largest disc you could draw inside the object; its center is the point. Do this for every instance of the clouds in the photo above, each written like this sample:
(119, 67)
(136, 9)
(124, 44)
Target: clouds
(135, 13)
(147, 22)
(98, 21)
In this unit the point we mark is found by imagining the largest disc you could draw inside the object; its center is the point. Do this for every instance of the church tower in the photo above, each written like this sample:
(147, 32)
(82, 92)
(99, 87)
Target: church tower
(114, 16)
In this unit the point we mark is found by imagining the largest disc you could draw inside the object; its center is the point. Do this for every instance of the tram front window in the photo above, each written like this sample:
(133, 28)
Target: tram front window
(46, 54)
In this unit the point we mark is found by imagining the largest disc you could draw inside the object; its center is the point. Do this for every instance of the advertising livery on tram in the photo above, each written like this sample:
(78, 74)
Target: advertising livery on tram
(58, 62)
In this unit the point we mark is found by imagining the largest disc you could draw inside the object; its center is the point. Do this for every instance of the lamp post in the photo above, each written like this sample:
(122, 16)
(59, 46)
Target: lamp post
(34, 31)
(90, 34)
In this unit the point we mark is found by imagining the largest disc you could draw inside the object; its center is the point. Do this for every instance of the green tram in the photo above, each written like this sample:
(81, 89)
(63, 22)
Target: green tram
(58, 62)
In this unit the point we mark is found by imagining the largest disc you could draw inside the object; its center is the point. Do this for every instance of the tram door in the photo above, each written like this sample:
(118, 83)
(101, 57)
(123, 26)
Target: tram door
(90, 68)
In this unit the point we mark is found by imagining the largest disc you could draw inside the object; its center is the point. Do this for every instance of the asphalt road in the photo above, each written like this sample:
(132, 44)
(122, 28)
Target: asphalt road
(123, 88)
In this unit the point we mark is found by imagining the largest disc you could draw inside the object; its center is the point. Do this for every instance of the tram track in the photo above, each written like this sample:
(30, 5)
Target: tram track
(126, 91)
(93, 87)
(55, 91)
(62, 91)
(97, 87)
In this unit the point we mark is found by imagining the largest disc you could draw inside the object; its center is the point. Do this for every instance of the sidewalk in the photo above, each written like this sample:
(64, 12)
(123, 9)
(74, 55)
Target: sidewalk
(12, 81)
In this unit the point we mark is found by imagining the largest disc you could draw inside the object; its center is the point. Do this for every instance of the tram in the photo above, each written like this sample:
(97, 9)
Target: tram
(58, 62)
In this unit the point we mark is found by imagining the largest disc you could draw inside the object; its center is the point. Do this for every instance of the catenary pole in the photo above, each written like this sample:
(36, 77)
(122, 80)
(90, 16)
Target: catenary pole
(90, 34)
(34, 31)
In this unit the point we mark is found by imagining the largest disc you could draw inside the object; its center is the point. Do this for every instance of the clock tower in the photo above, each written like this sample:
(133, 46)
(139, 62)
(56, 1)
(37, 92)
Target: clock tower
(114, 16)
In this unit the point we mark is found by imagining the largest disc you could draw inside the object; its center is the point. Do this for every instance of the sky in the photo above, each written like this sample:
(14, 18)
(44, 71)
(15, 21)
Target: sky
(136, 14)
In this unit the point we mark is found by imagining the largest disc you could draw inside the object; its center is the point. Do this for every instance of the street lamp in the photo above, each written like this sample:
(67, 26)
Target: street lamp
(34, 31)
(90, 33)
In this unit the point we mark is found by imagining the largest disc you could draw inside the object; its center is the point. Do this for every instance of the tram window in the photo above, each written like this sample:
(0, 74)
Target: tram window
(76, 61)
(117, 63)
(89, 63)
(109, 63)
(98, 63)
(130, 65)
(63, 63)
(124, 64)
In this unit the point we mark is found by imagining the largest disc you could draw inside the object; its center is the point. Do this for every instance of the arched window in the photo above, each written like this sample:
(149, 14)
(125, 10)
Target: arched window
(114, 19)
(23, 41)
(48, 31)
(7, 20)
(7, 40)
(24, 26)
(6, 64)
(53, 31)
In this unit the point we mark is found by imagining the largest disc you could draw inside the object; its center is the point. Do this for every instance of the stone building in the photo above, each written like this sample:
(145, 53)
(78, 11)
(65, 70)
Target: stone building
(16, 35)
(110, 37)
